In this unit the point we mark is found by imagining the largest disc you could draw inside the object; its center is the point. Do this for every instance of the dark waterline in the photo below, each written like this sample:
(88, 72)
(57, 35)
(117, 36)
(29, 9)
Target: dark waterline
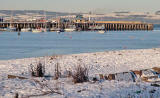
(28, 44)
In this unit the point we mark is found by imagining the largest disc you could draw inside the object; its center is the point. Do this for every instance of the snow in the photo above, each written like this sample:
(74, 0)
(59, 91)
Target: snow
(119, 63)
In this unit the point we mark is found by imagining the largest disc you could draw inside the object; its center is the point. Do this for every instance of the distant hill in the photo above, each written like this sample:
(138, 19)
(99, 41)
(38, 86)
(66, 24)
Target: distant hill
(119, 16)
(40, 12)
(157, 13)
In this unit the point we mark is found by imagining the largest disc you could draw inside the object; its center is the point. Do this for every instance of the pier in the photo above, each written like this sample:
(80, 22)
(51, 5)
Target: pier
(83, 26)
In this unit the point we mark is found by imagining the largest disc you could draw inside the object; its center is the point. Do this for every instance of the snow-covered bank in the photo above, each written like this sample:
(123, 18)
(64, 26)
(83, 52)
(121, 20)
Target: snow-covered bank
(98, 63)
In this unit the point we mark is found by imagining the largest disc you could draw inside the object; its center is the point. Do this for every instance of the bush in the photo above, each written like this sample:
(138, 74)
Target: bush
(57, 72)
(80, 75)
(38, 70)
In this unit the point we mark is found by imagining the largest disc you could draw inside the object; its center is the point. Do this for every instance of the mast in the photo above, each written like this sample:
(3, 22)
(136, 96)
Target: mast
(11, 19)
(90, 15)
(45, 21)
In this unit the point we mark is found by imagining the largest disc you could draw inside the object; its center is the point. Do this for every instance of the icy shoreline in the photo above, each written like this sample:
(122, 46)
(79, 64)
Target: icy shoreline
(98, 63)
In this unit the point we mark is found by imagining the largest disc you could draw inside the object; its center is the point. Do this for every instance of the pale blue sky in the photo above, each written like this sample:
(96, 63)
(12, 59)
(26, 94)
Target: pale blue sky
(82, 5)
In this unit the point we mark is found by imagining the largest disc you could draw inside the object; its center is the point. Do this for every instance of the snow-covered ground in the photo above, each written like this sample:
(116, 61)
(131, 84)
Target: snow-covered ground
(108, 62)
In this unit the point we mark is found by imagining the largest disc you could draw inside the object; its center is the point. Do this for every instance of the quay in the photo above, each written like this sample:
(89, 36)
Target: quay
(126, 25)
(82, 25)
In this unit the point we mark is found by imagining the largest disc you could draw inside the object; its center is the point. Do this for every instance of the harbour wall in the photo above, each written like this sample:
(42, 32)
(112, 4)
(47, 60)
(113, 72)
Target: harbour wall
(83, 26)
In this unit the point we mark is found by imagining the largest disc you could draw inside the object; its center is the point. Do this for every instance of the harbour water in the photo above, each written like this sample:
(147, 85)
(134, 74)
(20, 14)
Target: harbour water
(28, 44)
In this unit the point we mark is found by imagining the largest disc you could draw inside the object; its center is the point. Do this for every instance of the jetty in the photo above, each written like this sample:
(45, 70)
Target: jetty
(82, 25)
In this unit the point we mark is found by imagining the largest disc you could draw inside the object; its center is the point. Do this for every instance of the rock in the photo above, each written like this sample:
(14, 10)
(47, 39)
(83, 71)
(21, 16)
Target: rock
(152, 91)
(155, 85)
(148, 73)
(119, 54)
(137, 73)
(152, 77)
(138, 92)
(101, 76)
(156, 69)
(106, 77)
(145, 79)
(95, 79)
(111, 77)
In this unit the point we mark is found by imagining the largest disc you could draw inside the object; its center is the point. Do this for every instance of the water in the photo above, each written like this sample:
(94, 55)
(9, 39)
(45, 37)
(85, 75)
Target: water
(28, 44)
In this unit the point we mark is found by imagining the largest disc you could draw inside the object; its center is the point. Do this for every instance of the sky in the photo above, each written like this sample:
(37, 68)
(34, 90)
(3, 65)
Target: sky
(99, 6)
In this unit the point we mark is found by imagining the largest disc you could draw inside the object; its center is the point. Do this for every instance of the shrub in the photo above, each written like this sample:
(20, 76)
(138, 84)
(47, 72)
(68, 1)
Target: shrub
(38, 70)
(80, 75)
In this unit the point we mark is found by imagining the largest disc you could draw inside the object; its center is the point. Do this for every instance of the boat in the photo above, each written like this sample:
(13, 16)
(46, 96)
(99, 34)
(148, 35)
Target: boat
(26, 30)
(37, 30)
(70, 28)
(101, 31)
(10, 29)
(11, 26)
(60, 30)
(2, 29)
(52, 29)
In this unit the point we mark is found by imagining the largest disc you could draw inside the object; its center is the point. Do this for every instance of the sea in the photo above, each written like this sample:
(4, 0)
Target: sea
(28, 44)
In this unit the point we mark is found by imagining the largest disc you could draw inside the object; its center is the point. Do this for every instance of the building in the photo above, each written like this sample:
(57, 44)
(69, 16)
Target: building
(80, 19)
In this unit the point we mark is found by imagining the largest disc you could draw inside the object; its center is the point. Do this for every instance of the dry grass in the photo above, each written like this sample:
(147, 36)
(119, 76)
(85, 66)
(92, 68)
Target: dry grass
(57, 72)
(80, 75)
(38, 70)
